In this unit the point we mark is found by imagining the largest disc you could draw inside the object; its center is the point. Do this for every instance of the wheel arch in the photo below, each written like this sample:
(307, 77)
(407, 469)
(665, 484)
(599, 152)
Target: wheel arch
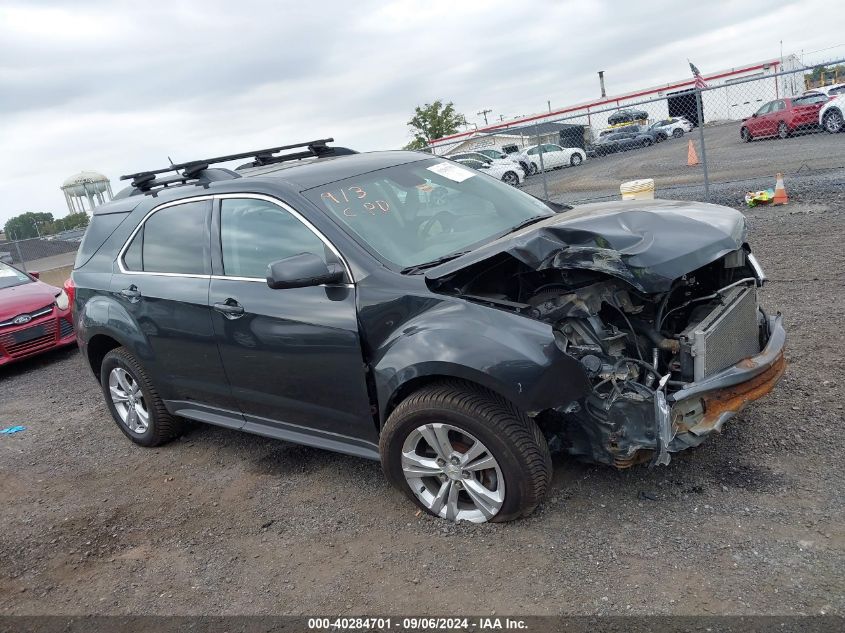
(98, 346)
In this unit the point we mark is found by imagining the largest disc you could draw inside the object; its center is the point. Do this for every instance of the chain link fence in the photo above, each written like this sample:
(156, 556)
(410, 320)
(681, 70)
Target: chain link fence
(50, 256)
(714, 143)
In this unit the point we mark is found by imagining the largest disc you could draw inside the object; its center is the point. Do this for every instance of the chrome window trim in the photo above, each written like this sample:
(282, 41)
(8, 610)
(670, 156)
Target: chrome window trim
(143, 221)
(228, 196)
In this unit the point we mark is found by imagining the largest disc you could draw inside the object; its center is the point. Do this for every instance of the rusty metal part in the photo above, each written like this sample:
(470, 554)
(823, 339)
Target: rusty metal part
(642, 456)
(732, 399)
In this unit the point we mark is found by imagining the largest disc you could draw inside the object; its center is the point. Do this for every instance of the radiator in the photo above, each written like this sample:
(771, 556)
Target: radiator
(724, 337)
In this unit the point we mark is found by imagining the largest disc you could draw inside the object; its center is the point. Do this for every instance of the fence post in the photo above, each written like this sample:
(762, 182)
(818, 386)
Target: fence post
(542, 165)
(20, 257)
(703, 150)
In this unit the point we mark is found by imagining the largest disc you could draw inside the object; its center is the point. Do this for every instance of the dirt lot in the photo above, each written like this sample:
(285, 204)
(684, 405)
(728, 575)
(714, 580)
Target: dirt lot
(225, 523)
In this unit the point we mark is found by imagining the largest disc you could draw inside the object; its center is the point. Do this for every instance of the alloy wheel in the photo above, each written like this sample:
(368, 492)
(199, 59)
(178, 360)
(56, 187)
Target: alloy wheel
(128, 400)
(452, 473)
(783, 131)
(575, 160)
(833, 122)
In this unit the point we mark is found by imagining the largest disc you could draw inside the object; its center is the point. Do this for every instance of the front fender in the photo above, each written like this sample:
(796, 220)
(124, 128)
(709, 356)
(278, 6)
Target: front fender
(509, 354)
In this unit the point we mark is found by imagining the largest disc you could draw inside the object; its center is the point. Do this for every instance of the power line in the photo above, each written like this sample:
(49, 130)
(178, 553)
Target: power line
(484, 113)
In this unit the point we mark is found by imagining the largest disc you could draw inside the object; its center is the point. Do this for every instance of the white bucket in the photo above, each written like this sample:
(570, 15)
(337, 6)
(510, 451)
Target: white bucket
(637, 189)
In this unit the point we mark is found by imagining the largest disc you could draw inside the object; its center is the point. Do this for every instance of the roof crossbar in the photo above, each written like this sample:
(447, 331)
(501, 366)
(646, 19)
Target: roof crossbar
(144, 180)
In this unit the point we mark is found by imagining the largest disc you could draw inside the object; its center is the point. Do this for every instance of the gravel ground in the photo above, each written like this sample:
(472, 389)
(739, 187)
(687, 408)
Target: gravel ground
(815, 161)
(225, 523)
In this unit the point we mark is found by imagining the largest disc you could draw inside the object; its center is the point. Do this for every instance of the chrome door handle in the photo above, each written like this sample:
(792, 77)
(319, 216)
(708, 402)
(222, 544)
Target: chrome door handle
(230, 309)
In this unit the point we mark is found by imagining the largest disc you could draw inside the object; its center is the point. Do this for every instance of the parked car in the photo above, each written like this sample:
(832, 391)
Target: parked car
(627, 116)
(323, 301)
(624, 139)
(509, 162)
(511, 174)
(34, 316)
(832, 114)
(783, 117)
(516, 157)
(675, 127)
(830, 91)
(554, 156)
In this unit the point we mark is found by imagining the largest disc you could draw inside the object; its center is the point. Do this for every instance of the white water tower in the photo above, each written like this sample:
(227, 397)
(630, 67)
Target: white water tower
(86, 185)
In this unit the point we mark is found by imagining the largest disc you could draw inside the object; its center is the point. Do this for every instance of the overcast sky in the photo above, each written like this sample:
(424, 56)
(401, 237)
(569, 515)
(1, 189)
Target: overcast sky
(118, 86)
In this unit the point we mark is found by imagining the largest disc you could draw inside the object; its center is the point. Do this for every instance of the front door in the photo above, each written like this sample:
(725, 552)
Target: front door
(293, 356)
(162, 283)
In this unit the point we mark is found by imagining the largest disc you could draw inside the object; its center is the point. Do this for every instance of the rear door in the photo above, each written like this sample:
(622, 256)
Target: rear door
(805, 110)
(162, 282)
(553, 155)
(293, 356)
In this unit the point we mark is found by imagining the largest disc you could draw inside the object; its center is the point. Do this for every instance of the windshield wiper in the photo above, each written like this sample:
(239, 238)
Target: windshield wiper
(410, 270)
(524, 223)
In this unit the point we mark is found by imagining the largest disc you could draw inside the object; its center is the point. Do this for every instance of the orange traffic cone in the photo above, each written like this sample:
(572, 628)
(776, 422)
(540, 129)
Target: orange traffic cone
(780, 192)
(692, 157)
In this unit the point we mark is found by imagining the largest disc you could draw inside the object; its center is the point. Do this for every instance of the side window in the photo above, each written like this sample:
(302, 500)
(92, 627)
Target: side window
(172, 240)
(533, 151)
(550, 148)
(255, 233)
(764, 109)
(778, 105)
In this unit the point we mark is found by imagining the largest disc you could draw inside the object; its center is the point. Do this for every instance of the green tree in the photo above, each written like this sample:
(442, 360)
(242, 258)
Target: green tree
(23, 226)
(72, 221)
(433, 121)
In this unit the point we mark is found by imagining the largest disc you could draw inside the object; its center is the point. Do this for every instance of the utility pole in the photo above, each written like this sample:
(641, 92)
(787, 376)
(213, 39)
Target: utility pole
(484, 114)
(549, 103)
(37, 232)
(501, 117)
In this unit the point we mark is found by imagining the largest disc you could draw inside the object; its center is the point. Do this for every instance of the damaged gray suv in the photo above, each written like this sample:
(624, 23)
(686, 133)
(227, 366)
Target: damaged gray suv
(400, 307)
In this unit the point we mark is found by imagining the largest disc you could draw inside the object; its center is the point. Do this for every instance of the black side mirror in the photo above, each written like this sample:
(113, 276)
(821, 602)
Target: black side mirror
(754, 115)
(301, 271)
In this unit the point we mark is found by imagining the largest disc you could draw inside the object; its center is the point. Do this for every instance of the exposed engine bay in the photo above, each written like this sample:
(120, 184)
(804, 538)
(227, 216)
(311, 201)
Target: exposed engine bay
(640, 350)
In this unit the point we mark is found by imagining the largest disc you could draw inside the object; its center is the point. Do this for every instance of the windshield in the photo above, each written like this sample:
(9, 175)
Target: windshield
(420, 212)
(12, 276)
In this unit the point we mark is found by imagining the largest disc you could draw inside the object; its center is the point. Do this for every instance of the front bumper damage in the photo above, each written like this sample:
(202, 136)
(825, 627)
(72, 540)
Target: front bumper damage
(647, 430)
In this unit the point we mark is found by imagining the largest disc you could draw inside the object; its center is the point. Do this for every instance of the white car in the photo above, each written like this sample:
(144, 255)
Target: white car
(832, 114)
(554, 156)
(511, 174)
(676, 127)
(830, 91)
(508, 161)
(516, 157)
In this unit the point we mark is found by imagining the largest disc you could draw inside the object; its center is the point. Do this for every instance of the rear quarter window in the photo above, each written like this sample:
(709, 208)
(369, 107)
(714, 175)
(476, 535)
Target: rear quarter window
(100, 228)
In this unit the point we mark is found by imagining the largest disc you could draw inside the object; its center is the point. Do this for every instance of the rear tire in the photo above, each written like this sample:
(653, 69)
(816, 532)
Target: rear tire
(576, 159)
(516, 465)
(677, 132)
(510, 178)
(534, 169)
(134, 403)
(647, 142)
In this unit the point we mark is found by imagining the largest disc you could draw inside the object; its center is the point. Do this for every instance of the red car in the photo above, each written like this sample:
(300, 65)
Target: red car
(782, 117)
(34, 316)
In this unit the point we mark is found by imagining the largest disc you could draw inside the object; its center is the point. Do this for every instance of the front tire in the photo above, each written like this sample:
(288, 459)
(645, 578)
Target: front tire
(745, 134)
(462, 453)
(783, 130)
(833, 121)
(534, 169)
(133, 401)
(677, 132)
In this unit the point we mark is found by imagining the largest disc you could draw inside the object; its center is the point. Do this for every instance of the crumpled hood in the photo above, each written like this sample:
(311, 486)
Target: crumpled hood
(648, 243)
(24, 298)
